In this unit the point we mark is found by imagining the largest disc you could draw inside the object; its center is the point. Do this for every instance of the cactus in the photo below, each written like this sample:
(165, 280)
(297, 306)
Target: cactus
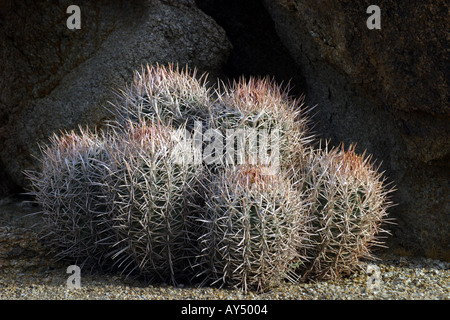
(252, 225)
(262, 105)
(68, 189)
(150, 195)
(134, 198)
(349, 199)
(168, 95)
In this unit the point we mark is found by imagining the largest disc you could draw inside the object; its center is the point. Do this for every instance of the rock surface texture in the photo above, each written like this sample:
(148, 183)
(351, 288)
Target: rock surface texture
(386, 90)
(53, 78)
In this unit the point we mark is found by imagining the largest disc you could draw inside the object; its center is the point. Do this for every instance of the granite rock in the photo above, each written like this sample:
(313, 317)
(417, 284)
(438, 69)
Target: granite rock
(53, 78)
(386, 90)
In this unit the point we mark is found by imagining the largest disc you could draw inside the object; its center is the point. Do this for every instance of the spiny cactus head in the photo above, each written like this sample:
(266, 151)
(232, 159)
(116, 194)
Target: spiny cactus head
(261, 104)
(349, 200)
(67, 144)
(164, 93)
(145, 135)
(252, 227)
(150, 195)
(260, 98)
(253, 176)
(66, 188)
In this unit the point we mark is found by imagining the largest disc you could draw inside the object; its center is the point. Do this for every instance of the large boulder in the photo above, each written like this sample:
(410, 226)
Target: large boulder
(386, 90)
(53, 78)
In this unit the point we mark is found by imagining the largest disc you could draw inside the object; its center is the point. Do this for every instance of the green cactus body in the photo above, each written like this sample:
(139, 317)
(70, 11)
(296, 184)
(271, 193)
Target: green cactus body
(251, 227)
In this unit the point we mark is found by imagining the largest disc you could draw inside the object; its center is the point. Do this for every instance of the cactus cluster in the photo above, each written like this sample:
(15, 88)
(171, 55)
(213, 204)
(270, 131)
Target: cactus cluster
(122, 198)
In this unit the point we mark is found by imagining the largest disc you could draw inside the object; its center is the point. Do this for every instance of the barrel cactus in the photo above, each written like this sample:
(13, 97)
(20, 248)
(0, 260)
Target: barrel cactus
(166, 94)
(149, 193)
(280, 121)
(252, 226)
(67, 187)
(349, 199)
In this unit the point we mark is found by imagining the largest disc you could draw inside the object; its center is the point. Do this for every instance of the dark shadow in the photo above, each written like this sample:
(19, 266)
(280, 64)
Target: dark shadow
(257, 49)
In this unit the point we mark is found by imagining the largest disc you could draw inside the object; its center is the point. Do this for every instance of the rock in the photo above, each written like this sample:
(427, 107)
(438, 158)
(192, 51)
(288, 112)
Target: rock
(20, 248)
(387, 91)
(53, 78)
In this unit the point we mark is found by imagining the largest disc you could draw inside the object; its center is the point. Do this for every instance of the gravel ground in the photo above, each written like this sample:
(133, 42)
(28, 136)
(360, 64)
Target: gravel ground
(26, 273)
